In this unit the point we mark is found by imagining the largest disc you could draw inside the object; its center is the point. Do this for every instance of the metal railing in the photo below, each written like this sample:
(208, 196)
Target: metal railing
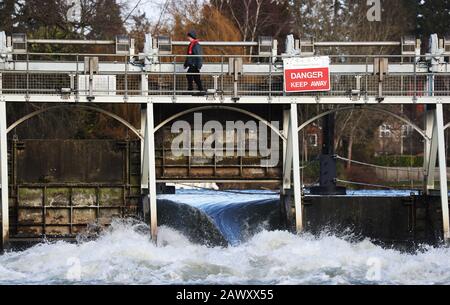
(164, 75)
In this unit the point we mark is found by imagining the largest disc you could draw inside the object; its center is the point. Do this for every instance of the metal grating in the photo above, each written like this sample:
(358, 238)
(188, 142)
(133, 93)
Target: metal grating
(259, 78)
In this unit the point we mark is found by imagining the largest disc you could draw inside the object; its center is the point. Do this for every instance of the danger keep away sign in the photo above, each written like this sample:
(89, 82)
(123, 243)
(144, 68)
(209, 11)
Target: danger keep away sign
(307, 74)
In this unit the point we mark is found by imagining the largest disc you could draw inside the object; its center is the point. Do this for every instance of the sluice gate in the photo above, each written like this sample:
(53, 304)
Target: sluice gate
(89, 182)
(95, 181)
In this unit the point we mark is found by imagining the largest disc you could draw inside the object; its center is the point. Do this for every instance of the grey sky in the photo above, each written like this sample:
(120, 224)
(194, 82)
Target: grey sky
(152, 8)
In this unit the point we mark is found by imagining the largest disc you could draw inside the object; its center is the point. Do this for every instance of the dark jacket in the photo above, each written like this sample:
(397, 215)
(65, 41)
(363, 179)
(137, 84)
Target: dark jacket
(196, 62)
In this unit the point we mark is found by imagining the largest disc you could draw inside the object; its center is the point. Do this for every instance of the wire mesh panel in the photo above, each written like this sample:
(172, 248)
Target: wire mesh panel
(254, 85)
(160, 84)
(101, 85)
(343, 84)
(442, 85)
(257, 76)
(129, 84)
(35, 83)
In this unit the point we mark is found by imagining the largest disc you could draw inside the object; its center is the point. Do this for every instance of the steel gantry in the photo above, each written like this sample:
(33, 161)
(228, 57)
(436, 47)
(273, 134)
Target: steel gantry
(157, 76)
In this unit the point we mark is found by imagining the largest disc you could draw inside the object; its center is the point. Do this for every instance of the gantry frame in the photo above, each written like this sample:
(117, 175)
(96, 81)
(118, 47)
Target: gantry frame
(423, 79)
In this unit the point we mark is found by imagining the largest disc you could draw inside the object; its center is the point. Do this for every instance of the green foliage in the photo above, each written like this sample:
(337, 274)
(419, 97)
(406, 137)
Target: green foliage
(399, 161)
(312, 171)
(100, 19)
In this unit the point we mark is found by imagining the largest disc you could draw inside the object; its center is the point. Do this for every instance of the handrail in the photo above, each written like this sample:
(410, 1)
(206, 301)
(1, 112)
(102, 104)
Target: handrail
(220, 43)
(357, 43)
(71, 41)
(281, 56)
(61, 73)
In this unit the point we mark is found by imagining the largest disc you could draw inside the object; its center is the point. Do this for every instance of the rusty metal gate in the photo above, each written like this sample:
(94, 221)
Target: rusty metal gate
(59, 187)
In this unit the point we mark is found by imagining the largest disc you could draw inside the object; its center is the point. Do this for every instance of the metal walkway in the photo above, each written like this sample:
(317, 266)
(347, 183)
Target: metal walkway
(156, 76)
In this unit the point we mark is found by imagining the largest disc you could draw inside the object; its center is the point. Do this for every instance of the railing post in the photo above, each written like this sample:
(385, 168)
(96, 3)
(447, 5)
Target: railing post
(125, 98)
(270, 78)
(144, 85)
(77, 80)
(174, 78)
(431, 129)
(27, 95)
(222, 89)
(4, 177)
(443, 170)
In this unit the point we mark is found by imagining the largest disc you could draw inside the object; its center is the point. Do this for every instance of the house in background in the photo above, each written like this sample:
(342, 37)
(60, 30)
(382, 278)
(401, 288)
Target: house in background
(397, 138)
(312, 141)
(391, 139)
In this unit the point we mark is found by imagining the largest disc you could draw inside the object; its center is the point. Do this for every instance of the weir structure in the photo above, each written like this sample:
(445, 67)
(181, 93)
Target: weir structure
(239, 85)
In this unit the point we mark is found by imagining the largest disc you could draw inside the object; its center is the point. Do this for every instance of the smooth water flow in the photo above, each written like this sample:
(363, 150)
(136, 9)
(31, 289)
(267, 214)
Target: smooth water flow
(124, 254)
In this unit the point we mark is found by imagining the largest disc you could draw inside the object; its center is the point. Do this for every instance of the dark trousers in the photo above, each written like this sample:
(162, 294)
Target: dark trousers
(194, 78)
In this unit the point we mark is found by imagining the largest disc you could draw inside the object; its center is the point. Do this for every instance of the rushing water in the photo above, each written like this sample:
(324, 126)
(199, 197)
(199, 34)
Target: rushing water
(124, 254)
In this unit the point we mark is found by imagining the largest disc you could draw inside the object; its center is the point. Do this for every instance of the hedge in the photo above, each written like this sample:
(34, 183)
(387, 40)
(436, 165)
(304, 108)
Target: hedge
(399, 161)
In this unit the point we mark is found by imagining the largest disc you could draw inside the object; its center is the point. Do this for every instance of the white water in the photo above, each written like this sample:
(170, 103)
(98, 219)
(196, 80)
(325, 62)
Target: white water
(125, 255)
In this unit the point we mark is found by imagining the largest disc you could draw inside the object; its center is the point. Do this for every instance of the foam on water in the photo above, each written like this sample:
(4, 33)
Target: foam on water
(124, 254)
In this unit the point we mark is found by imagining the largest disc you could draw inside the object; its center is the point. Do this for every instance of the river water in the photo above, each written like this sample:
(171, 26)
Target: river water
(123, 254)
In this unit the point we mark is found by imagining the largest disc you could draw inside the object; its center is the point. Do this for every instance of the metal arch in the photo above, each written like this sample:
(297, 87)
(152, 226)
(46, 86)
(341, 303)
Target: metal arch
(414, 126)
(447, 126)
(251, 114)
(102, 111)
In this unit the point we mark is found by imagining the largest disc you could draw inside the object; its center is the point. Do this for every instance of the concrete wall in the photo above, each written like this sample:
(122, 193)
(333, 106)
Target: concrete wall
(404, 174)
(398, 221)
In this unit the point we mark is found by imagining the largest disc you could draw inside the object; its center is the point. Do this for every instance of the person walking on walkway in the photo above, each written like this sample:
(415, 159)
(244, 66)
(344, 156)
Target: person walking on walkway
(194, 63)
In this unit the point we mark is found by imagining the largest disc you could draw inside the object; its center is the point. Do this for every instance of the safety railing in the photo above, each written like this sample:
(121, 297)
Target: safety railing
(164, 75)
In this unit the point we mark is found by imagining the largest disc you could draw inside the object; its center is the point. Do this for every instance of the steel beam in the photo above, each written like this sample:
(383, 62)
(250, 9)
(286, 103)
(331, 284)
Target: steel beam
(144, 154)
(293, 153)
(220, 43)
(4, 177)
(375, 109)
(216, 180)
(287, 152)
(150, 168)
(215, 68)
(85, 107)
(443, 171)
(244, 100)
(144, 160)
(431, 148)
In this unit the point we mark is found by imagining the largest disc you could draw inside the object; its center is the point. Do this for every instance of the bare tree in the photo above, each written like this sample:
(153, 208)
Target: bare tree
(141, 26)
(207, 21)
(256, 18)
(9, 11)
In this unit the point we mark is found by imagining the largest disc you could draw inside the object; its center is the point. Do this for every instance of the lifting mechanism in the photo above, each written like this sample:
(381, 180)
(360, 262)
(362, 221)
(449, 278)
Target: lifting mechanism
(156, 76)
